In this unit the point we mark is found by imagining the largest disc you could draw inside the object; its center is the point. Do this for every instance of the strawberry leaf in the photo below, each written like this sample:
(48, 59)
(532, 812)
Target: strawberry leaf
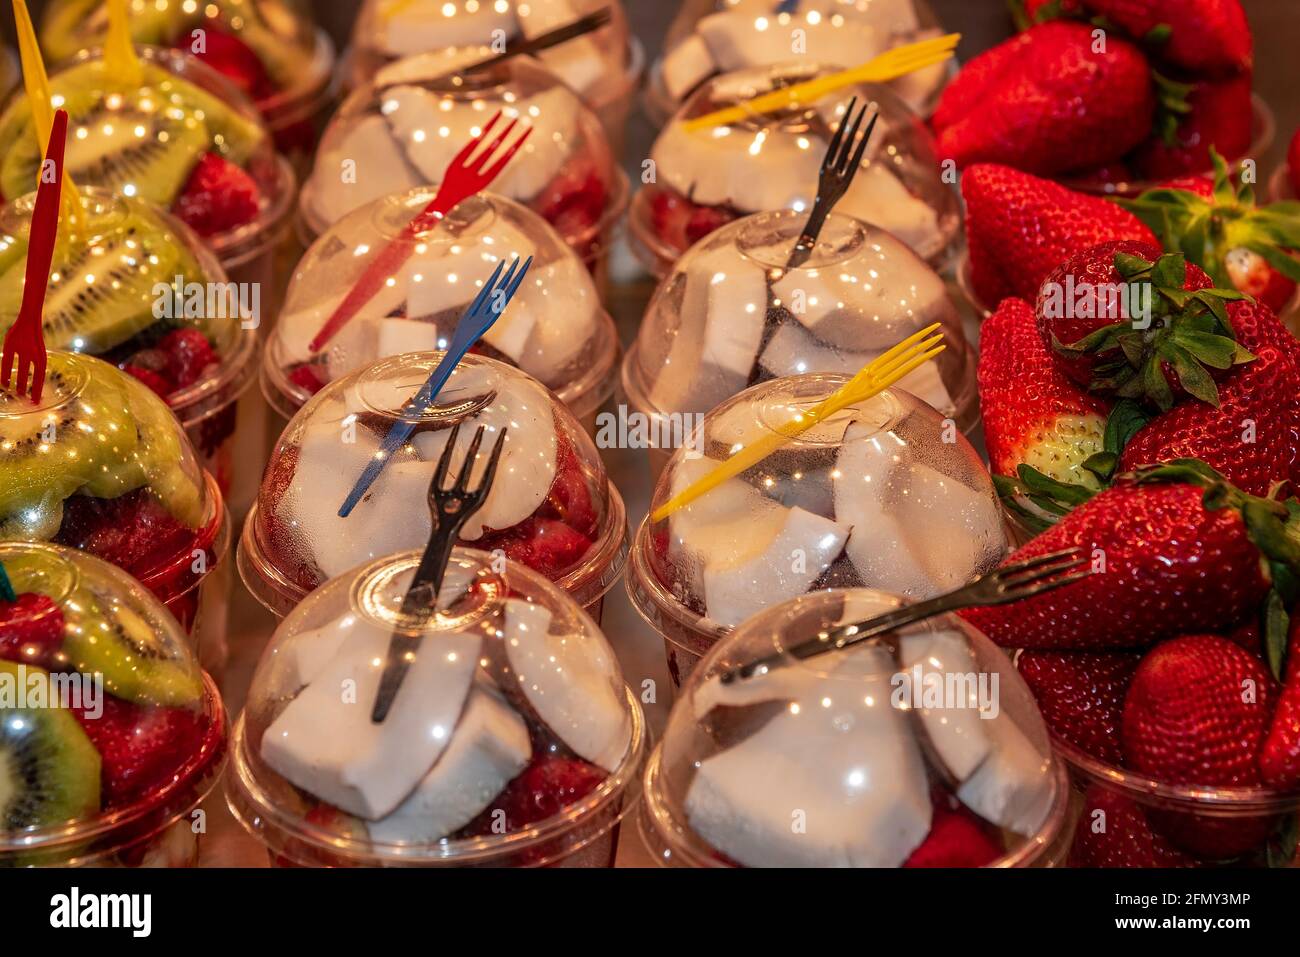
(1217, 352)
(1126, 419)
(1038, 483)
(1282, 846)
(1159, 34)
(1191, 374)
(1102, 464)
(1288, 266)
(1277, 624)
(1156, 386)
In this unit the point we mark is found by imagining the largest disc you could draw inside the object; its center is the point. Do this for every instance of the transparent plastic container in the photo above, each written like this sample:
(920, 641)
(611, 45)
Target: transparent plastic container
(186, 140)
(108, 767)
(708, 37)
(404, 129)
(603, 67)
(730, 316)
(706, 179)
(102, 465)
(167, 317)
(271, 50)
(9, 73)
(552, 506)
(512, 740)
(878, 495)
(922, 748)
(555, 329)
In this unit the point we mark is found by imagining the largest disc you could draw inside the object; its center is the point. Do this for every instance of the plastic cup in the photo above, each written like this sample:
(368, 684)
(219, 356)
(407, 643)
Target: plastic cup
(108, 818)
(857, 757)
(879, 495)
(557, 510)
(529, 686)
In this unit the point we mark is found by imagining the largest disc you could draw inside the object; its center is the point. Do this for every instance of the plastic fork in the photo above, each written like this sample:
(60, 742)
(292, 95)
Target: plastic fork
(465, 176)
(543, 41)
(890, 65)
(876, 376)
(120, 60)
(450, 509)
(25, 340)
(6, 588)
(1009, 583)
(476, 320)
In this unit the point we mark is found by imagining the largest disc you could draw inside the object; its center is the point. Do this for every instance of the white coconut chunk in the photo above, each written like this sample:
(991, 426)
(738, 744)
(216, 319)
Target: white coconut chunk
(879, 197)
(938, 667)
(363, 165)
(565, 307)
(1014, 786)
(793, 350)
(739, 40)
(686, 64)
(414, 27)
(732, 519)
(399, 336)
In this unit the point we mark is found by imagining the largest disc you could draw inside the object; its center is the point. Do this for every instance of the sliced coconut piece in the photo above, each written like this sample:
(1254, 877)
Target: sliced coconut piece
(572, 682)
(430, 64)
(489, 748)
(686, 65)
(415, 27)
(848, 771)
(580, 62)
(940, 663)
(739, 40)
(793, 350)
(296, 329)
(879, 197)
(325, 743)
(453, 272)
(362, 166)
(732, 516)
(801, 551)
(894, 17)
(1014, 786)
(926, 383)
(564, 307)
(398, 336)
(955, 532)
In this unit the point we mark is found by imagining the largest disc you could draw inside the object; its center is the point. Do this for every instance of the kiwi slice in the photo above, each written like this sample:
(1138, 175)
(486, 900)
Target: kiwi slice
(70, 26)
(107, 638)
(81, 426)
(49, 770)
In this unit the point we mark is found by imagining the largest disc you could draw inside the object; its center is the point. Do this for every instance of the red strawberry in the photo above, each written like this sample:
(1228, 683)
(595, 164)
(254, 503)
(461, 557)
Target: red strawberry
(1081, 696)
(1218, 116)
(574, 201)
(543, 544)
(219, 196)
(1247, 635)
(1113, 831)
(1021, 227)
(546, 787)
(704, 220)
(1202, 35)
(142, 747)
(569, 499)
(1033, 415)
(156, 382)
(190, 355)
(133, 531)
(306, 376)
(1055, 103)
(1165, 563)
(1037, 11)
(232, 58)
(957, 838)
(1279, 762)
(1293, 164)
(31, 629)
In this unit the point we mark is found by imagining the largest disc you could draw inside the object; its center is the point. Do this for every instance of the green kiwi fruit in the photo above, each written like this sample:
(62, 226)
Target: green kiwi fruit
(49, 770)
(83, 424)
(70, 26)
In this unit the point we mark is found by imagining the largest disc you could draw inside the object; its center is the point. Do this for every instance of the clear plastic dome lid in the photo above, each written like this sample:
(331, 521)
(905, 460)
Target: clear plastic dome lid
(101, 464)
(131, 285)
(731, 315)
(922, 748)
(512, 724)
(461, 32)
(183, 139)
(717, 36)
(263, 47)
(105, 715)
(880, 494)
(555, 329)
(551, 507)
(770, 161)
(402, 131)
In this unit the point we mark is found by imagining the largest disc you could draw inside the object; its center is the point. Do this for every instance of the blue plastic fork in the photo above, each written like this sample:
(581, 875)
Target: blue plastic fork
(6, 589)
(474, 322)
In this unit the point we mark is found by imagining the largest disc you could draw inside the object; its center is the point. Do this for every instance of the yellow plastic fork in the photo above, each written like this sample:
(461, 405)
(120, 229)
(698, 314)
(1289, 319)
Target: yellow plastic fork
(890, 65)
(120, 60)
(876, 376)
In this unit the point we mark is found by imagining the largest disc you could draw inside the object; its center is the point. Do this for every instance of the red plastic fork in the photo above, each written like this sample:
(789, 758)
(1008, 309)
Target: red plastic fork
(461, 181)
(25, 340)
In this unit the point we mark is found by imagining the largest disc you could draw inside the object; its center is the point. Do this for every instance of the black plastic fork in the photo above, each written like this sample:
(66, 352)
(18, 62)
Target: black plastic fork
(450, 509)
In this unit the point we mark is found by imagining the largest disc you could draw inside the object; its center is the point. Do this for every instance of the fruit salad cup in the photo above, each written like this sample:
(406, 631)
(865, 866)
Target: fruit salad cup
(881, 494)
(270, 49)
(551, 507)
(705, 179)
(555, 329)
(134, 286)
(708, 37)
(922, 748)
(101, 464)
(512, 740)
(603, 67)
(730, 315)
(184, 139)
(404, 129)
(106, 768)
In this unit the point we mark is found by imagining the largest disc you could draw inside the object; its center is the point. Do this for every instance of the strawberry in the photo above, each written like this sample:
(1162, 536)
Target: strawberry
(1039, 11)
(1222, 230)
(218, 197)
(1208, 114)
(232, 58)
(306, 376)
(569, 499)
(1200, 35)
(957, 838)
(1293, 164)
(1113, 831)
(159, 384)
(1021, 227)
(190, 355)
(1279, 762)
(1171, 554)
(1081, 696)
(545, 545)
(574, 200)
(133, 531)
(142, 748)
(704, 220)
(1054, 102)
(31, 629)
(547, 786)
